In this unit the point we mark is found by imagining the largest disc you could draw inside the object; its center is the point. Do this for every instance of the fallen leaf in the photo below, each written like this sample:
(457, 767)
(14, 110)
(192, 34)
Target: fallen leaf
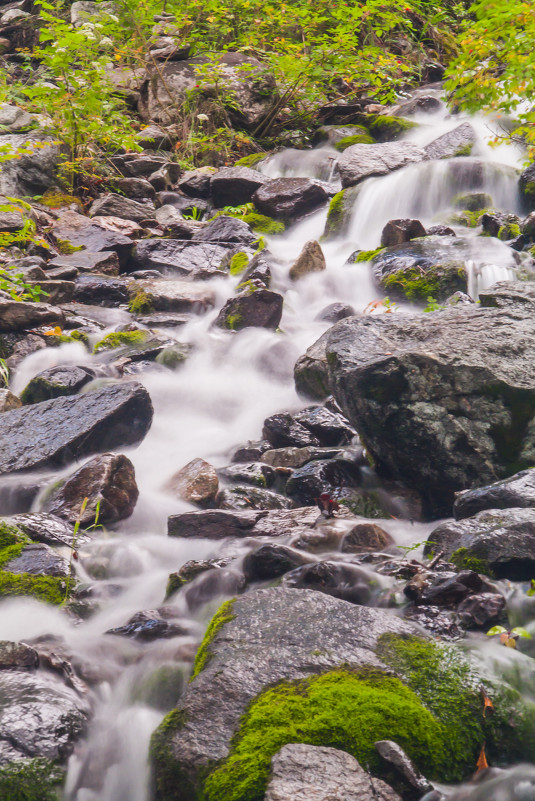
(482, 761)
(487, 703)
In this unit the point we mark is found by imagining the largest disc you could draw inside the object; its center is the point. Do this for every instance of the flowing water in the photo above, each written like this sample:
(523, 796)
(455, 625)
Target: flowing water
(215, 402)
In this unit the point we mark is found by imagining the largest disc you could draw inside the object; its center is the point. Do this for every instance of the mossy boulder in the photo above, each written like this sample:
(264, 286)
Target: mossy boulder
(354, 139)
(278, 674)
(455, 143)
(263, 224)
(388, 129)
(334, 135)
(340, 211)
(121, 339)
(472, 201)
(258, 308)
(428, 267)
(56, 382)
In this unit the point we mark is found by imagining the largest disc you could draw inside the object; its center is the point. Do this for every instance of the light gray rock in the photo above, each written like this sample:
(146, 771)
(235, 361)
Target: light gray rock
(81, 232)
(289, 198)
(85, 261)
(178, 296)
(13, 118)
(112, 205)
(183, 258)
(458, 142)
(361, 161)
(35, 171)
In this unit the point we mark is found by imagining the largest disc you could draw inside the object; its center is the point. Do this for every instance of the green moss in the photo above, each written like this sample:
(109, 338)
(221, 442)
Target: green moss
(222, 616)
(387, 129)
(465, 150)
(233, 321)
(365, 504)
(340, 709)
(10, 535)
(75, 336)
(464, 560)
(367, 255)
(171, 782)
(438, 281)
(31, 780)
(66, 248)
(470, 219)
(251, 160)
(121, 339)
(50, 589)
(238, 263)
(141, 303)
(173, 356)
(356, 139)
(509, 231)
(264, 224)
(55, 199)
(472, 201)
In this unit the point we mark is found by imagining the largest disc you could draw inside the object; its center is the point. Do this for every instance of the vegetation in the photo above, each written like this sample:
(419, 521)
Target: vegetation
(31, 780)
(222, 616)
(130, 339)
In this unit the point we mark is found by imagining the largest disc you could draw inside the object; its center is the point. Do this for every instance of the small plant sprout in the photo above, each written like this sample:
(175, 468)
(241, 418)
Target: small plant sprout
(433, 305)
(509, 638)
(4, 374)
(386, 306)
(531, 590)
(74, 552)
(407, 549)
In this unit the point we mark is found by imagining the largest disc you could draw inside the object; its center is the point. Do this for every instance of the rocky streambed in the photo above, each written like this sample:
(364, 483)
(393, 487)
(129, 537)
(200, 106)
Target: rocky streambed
(267, 479)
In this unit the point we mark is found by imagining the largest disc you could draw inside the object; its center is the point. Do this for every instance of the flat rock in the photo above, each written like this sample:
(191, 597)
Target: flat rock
(178, 256)
(38, 559)
(105, 262)
(518, 491)
(178, 296)
(233, 186)
(102, 290)
(289, 198)
(17, 315)
(227, 230)
(315, 773)
(59, 431)
(45, 528)
(216, 524)
(361, 161)
(112, 205)
(458, 142)
(75, 230)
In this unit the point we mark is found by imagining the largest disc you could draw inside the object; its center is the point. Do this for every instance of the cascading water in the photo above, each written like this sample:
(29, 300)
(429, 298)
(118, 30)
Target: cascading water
(216, 401)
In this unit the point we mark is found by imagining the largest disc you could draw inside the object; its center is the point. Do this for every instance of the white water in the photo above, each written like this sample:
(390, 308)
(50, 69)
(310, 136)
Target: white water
(215, 402)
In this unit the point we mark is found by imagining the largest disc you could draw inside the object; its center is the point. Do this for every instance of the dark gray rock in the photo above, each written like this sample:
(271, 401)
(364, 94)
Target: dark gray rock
(444, 401)
(35, 171)
(85, 261)
(289, 198)
(257, 474)
(361, 161)
(515, 492)
(246, 496)
(227, 230)
(233, 186)
(259, 309)
(38, 559)
(56, 382)
(59, 431)
(134, 188)
(335, 312)
(196, 183)
(101, 290)
(17, 315)
(441, 230)
(307, 483)
(218, 524)
(329, 427)
(498, 542)
(272, 561)
(526, 185)
(75, 230)
(401, 772)
(315, 773)
(481, 611)
(311, 371)
(345, 581)
(502, 225)
(107, 481)
(282, 430)
(187, 258)
(149, 626)
(45, 528)
(17, 655)
(112, 205)
(396, 232)
(458, 142)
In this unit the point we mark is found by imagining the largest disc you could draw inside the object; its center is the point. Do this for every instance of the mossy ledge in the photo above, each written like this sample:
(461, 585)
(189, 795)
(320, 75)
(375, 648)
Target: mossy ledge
(31, 780)
(121, 339)
(50, 589)
(223, 615)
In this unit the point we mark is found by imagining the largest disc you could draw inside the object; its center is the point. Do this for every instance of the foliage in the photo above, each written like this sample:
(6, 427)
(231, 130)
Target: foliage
(509, 638)
(4, 374)
(30, 780)
(433, 305)
(203, 656)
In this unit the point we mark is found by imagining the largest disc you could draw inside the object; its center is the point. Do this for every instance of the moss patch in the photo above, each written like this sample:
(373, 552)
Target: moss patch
(141, 303)
(417, 285)
(472, 201)
(367, 255)
(465, 150)
(264, 224)
(121, 339)
(387, 129)
(171, 783)
(508, 231)
(222, 616)
(238, 263)
(356, 139)
(66, 248)
(463, 559)
(50, 589)
(31, 780)
(251, 160)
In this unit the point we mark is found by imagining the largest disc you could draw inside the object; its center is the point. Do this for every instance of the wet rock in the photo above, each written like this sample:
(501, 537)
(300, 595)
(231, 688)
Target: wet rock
(255, 473)
(289, 198)
(481, 611)
(58, 431)
(500, 224)
(259, 309)
(188, 258)
(251, 452)
(258, 271)
(296, 457)
(335, 312)
(38, 559)
(459, 297)
(441, 230)
(101, 290)
(515, 492)
(17, 315)
(366, 537)
(249, 497)
(401, 772)
(272, 561)
(396, 232)
(499, 543)
(173, 223)
(35, 171)
(213, 584)
(283, 430)
(76, 231)
(233, 186)
(56, 382)
(149, 626)
(347, 582)
(446, 591)
(9, 401)
(196, 482)
(228, 230)
(420, 104)
(109, 483)
(218, 524)
(17, 656)
(313, 773)
(307, 483)
(163, 319)
(361, 161)
(311, 372)
(46, 528)
(329, 427)
(526, 185)
(177, 296)
(310, 260)
(434, 397)
(433, 267)
(106, 262)
(458, 142)
(112, 205)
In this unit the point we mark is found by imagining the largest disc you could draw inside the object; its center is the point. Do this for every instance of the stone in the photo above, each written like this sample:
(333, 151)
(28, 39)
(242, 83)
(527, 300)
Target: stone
(17, 655)
(335, 312)
(234, 186)
(134, 188)
(107, 481)
(310, 260)
(172, 221)
(401, 771)
(502, 225)
(362, 161)
(518, 491)
(312, 773)
(311, 371)
(435, 397)
(149, 626)
(458, 142)
(112, 205)
(496, 542)
(18, 315)
(481, 611)
(282, 430)
(59, 431)
(440, 230)
(249, 497)
(105, 262)
(289, 198)
(177, 296)
(56, 382)
(73, 230)
(218, 524)
(13, 119)
(328, 426)
(136, 165)
(307, 483)
(259, 309)
(366, 537)
(9, 401)
(101, 290)
(196, 183)
(227, 230)
(526, 185)
(272, 561)
(296, 457)
(258, 474)
(396, 232)
(179, 257)
(46, 528)
(431, 267)
(36, 169)
(340, 580)
(38, 559)
(196, 482)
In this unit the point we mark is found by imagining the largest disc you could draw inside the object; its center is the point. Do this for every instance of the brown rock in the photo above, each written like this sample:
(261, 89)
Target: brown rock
(8, 401)
(310, 260)
(366, 537)
(196, 482)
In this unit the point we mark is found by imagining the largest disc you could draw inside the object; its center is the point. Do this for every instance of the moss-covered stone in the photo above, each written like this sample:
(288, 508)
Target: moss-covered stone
(55, 199)
(366, 255)
(472, 201)
(238, 263)
(339, 213)
(437, 281)
(465, 150)
(120, 339)
(250, 161)
(50, 589)
(171, 782)
(388, 129)
(463, 559)
(173, 356)
(66, 248)
(31, 780)
(222, 616)
(356, 139)
(508, 231)
(140, 303)
(264, 224)
(470, 219)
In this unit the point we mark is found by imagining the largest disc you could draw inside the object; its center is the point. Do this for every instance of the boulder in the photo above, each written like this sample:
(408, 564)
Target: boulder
(45, 528)
(289, 198)
(246, 78)
(218, 524)
(13, 119)
(336, 311)
(431, 267)
(173, 223)
(177, 296)
(348, 582)
(38, 559)
(257, 474)
(458, 142)
(58, 431)
(196, 482)
(107, 481)
(196, 183)
(366, 537)
(227, 230)
(272, 561)
(9, 401)
(245, 496)
(283, 665)
(396, 232)
(259, 309)
(234, 186)
(443, 401)
(179, 257)
(101, 290)
(35, 171)
(307, 483)
(86, 261)
(500, 543)
(313, 773)
(310, 260)
(136, 165)
(516, 492)
(74, 231)
(526, 185)
(311, 371)
(361, 161)
(17, 315)
(112, 205)
(55, 382)
(134, 188)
